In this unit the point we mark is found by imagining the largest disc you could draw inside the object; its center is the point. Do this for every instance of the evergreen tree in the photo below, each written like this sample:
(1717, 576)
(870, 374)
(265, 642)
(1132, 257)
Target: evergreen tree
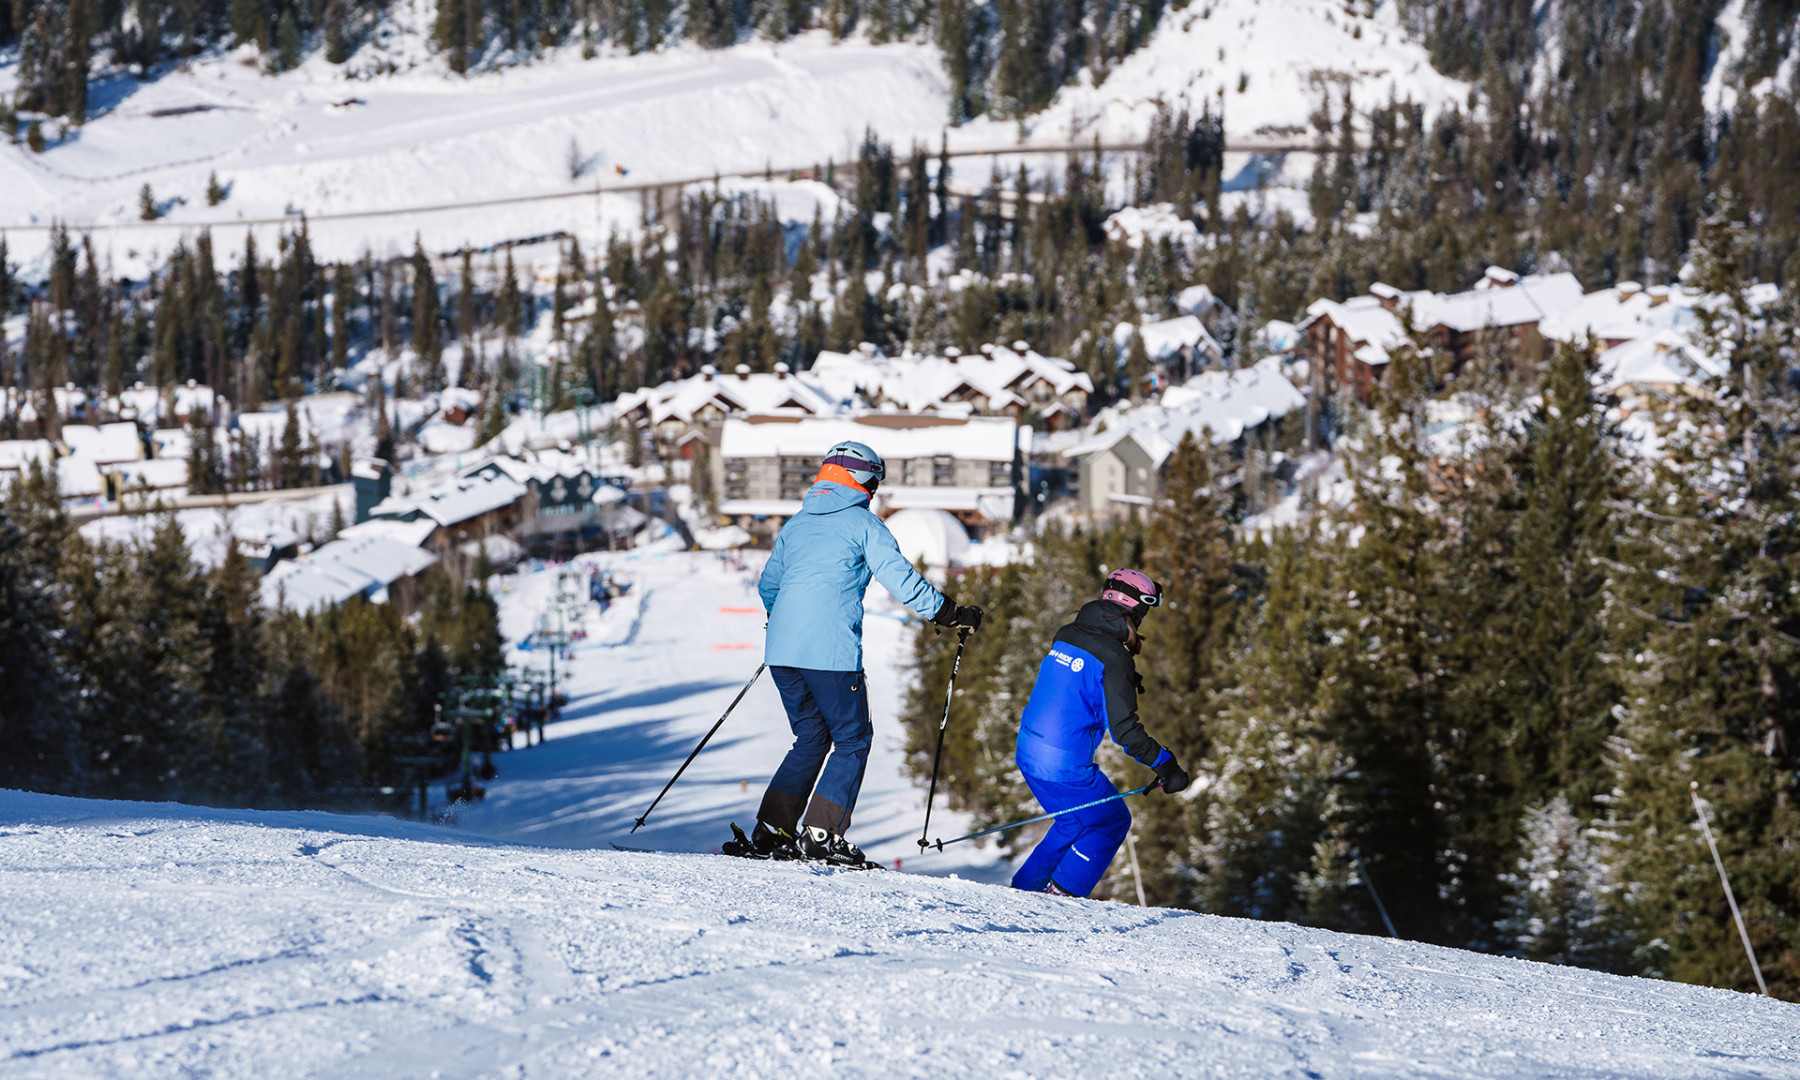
(1560, 676)
(1271, 836)
(1558, 908)
(427, 332)
(38, 712)
(1713, 536)
(510, 305)
(1189, 551)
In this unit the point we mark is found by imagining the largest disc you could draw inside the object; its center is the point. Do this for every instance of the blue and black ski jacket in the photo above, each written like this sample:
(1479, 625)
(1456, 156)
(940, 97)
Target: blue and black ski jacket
(1087, 687)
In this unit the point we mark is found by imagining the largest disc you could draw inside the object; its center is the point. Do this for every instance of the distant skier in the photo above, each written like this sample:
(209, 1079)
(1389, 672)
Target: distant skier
(813, 590)
(1088, 686)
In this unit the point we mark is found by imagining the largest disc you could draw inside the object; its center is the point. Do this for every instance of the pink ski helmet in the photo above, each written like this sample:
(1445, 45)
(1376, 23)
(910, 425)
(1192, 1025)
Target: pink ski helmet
(1132, 590)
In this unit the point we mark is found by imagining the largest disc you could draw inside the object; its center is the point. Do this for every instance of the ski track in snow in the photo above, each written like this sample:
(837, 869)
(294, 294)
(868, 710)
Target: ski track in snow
(144, 940)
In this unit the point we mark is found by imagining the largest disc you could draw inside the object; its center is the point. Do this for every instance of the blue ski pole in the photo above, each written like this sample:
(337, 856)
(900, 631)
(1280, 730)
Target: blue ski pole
(939, 844)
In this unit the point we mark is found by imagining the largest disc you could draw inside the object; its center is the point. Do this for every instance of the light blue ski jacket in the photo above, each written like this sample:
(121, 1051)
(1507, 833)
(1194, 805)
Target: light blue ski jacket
(815, 579)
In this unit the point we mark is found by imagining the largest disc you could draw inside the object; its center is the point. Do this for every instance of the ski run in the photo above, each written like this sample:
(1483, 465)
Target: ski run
(141, 940)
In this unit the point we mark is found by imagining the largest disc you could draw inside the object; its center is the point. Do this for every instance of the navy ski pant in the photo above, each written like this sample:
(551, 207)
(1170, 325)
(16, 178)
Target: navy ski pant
(1078, 848)
(829, 713)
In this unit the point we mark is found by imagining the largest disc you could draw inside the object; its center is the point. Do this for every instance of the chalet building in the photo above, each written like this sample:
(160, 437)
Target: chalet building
(471, 508)
(969, 467)
(1178, 348)
(684, 409)
(1122, 469)
(378, 568)
(568, 507)
(1348, 345)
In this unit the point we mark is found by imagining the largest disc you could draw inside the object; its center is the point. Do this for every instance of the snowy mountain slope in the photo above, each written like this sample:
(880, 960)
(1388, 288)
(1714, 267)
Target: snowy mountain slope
(328, 140)
(652, 676)
(291, 143)
(143, 940)
(1265, 62)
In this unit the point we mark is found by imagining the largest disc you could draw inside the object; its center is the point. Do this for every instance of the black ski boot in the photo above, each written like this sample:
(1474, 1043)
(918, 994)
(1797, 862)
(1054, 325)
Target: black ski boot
(816, 843)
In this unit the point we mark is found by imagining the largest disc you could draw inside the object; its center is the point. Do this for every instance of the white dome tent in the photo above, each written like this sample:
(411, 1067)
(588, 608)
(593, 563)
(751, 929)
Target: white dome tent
(932, 536)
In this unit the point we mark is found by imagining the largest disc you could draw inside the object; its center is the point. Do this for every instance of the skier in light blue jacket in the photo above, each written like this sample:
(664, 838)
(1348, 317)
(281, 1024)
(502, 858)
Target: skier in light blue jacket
(813, 590)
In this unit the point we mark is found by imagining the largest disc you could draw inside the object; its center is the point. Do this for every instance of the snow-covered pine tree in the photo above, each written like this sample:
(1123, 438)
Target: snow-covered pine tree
(1268, 786)
(1558, 906)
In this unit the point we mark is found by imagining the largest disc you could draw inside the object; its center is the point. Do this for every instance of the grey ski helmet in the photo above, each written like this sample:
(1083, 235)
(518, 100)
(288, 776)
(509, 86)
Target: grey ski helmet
(863, 464)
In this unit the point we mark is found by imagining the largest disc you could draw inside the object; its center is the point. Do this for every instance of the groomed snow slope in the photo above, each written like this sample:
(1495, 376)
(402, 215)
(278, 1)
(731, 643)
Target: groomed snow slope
(141, 940)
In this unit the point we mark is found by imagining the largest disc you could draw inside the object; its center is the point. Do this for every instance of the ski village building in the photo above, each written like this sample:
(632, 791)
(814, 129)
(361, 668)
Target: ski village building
(1122, 468)
(969, 467)
(1348, 344)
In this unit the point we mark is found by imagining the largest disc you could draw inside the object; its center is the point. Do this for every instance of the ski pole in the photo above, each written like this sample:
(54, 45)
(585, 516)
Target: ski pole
(1153, 785)
(962, 638)
(690, 758)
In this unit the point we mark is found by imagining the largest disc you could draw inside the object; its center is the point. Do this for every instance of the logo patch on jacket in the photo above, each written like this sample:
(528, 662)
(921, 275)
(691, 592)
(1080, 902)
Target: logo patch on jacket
(1073, 663)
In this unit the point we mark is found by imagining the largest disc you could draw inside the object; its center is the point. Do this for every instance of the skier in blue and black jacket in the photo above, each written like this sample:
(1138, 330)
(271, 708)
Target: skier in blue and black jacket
(1087, 687)
(813, 589)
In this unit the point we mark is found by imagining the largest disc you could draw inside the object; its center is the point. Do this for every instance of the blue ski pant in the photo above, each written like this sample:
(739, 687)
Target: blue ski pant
(829, 714)
(1078, 848)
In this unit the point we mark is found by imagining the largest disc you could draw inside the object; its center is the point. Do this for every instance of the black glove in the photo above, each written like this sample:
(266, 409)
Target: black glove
(946, 615)
(1172, 776)
(969, 617)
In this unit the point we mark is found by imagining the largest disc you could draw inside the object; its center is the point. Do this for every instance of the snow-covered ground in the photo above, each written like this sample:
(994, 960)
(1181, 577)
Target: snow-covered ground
(324, 140)
(654, 673)
(141, 940)
(1264, 64)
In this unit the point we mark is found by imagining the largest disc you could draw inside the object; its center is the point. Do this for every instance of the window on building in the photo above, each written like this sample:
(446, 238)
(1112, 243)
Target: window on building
(797, 474)
(943, 472)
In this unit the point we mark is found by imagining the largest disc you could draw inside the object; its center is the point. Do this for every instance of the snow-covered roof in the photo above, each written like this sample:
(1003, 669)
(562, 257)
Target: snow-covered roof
(739, 393)
(341, 569)
(530, 465)
(147, 400)
(918, 383)
(78, 478)
(1169, 336)
(1136, 226)
(16, 455)
(1199, 300)
(1373, 330)
(105, 444)
(411, 533)
(1501, 299)
(1498, 301)
(466, 498)
(158, 474)
(978, 438)
(1225, 403)
(1666, 359)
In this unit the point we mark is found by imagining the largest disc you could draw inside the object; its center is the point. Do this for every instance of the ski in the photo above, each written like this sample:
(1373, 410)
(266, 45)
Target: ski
(740, 847)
